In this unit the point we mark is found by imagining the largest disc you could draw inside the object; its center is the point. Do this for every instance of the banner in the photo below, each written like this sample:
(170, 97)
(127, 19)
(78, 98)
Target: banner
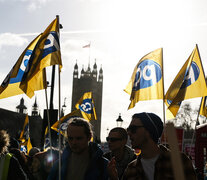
(10, 85)
(147, 79)
(189, 83)
(64, 121)
(86, 105)
(46, 53)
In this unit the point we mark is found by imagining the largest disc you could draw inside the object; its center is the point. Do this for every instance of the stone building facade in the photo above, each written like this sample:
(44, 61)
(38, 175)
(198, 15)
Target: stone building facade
(89, 80)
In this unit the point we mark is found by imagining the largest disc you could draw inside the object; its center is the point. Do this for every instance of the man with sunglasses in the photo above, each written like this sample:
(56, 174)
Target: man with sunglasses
(154, 163)
(121, 154)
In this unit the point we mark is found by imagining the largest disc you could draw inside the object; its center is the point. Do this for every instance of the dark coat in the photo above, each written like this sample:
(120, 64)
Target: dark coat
(163, 168)
(97, 167)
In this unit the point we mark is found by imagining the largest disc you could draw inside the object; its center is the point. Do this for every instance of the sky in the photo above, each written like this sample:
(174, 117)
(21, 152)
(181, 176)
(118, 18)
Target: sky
(121, 32)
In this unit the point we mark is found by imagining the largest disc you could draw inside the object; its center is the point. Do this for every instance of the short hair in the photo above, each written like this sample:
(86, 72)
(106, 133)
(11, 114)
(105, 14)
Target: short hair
(121, 131)
(81, 122)
(4, 141)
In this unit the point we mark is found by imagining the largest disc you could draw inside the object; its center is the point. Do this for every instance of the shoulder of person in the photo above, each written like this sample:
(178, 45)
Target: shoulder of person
(131, 170)
(133, 163)
(130, 152)
(107, 155)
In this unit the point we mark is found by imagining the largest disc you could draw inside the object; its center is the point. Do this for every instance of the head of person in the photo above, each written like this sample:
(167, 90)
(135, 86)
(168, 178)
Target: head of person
(144, 128)
(117, 138)
(79, 133)
(14, 143)
(4, 141)
(33, 151)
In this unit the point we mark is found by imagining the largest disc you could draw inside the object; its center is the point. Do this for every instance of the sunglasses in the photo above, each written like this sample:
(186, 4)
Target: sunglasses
(113, 139)
(133, 128)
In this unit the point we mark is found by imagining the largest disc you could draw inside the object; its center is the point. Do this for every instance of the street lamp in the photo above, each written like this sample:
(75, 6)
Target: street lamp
(119, 121)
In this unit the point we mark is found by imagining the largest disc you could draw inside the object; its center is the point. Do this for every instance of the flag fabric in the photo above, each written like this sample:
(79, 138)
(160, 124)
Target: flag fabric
(189, 82)
(203, 108)
(25, 130)
(64, 120)
(172, 109)
(87, 46)
(10, 85)
(86, 105)
(24, 136)
(28, 145)
(147, 79)
(46, 53)
(46, 139)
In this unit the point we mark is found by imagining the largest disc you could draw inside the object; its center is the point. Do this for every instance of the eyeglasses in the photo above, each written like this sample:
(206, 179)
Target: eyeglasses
(133, 128)
(113, 139)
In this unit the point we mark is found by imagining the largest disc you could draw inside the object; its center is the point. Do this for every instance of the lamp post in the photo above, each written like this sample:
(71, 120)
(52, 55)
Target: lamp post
(119, 121)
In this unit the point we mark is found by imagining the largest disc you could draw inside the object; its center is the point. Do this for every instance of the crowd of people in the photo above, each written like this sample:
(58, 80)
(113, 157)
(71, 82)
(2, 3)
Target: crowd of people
(83, 159)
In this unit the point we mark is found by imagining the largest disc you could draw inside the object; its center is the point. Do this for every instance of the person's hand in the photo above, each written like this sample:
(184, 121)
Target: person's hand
(113, 174)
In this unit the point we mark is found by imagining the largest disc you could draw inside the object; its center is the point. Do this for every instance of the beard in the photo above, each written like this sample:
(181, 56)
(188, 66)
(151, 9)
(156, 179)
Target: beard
(139, 142)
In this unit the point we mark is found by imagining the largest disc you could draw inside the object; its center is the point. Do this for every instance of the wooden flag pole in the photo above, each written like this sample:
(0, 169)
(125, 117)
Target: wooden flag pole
(175, 154)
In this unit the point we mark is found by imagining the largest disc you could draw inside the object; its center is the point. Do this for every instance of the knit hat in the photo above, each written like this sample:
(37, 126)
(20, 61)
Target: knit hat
(152, 123)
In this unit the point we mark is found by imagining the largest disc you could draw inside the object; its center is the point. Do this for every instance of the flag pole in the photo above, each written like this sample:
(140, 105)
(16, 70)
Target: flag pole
(59, 123)
(163, 101)
(59, 114)
(89, 54)
(48, 119)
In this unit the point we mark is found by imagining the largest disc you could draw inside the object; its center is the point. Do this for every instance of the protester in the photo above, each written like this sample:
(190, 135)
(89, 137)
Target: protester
(30, 156)
(10, 169)
(33, 151)
(42, 163)
(23, 161)
(119, 151)
(154, 162)
(82, 159)
(13, 143)
(205, 171)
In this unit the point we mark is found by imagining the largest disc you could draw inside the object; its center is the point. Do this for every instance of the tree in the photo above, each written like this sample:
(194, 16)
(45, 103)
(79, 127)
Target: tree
(186, 118)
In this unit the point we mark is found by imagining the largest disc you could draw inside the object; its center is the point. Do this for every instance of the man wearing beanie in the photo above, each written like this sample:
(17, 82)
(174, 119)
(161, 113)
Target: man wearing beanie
(154, 163)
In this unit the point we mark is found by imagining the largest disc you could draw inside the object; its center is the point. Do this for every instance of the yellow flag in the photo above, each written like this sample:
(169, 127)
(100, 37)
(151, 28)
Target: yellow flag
(172, 110)
(147, 79)
(25, 131)
(64, 120)
(46, 53)
(189, 82)
(203, 108)
(86, 105)
(29, 146)
(10, 85)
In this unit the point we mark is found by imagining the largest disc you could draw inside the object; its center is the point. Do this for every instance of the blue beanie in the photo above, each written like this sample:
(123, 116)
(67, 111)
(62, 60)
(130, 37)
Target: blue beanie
(152, 123)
